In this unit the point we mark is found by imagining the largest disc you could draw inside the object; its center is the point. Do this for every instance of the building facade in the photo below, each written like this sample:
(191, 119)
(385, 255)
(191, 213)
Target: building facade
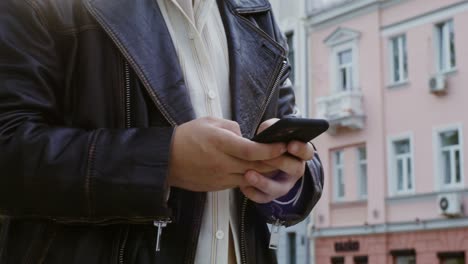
(390, 76)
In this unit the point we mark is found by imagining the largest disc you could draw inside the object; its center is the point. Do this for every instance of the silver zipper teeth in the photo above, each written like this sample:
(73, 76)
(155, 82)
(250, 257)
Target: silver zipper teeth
(128, 116)
(245, 201)
(122, 248)
(129, 59)
(275, 84)
(242, 234)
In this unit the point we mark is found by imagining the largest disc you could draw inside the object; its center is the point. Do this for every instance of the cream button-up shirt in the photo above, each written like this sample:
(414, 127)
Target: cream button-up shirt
(199, 38)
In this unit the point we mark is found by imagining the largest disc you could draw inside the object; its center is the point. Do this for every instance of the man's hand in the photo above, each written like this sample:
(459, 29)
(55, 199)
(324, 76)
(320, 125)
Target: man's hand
(290, 167)
(210, 154)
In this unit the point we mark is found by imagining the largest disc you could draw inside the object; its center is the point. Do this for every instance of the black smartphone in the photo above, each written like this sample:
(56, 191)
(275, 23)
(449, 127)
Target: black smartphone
(288, 129)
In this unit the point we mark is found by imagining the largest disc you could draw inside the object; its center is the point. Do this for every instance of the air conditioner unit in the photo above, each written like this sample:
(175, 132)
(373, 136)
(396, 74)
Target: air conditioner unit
(438, 84)
(449, 204)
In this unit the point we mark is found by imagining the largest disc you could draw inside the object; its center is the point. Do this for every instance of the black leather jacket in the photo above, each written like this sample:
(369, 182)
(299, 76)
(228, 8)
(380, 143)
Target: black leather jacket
(90, 93)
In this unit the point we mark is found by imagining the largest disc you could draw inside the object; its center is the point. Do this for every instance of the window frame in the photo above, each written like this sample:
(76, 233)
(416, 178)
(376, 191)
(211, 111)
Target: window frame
(335, 66)
(438, 163)
(359, 163)
(402, 253)
(403, 59)
(335, 169)
(440, 37)
(392, 165)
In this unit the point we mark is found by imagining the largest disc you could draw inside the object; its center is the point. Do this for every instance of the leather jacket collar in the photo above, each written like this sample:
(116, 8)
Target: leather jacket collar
(139, 31)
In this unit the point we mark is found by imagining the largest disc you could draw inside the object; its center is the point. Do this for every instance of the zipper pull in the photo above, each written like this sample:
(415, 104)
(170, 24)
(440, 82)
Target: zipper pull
(274, 235)
(160, 225)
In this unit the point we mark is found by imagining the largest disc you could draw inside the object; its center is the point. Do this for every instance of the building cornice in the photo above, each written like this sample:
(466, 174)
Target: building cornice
(421, 225)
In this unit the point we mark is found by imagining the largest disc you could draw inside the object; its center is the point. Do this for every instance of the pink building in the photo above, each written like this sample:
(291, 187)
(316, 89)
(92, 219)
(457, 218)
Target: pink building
(392, 78)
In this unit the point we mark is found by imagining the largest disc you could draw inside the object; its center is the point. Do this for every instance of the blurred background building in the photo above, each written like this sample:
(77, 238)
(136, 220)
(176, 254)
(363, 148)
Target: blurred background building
(389, 76)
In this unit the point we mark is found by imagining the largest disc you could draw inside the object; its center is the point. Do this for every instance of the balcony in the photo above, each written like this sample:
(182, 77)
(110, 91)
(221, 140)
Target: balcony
(342, 110)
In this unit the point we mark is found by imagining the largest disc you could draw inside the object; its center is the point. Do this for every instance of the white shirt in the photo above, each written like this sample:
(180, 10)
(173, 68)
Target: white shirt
(199, 38)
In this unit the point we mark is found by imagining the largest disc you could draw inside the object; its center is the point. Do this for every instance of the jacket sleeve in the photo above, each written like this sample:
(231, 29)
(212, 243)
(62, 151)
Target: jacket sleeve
(49, 170)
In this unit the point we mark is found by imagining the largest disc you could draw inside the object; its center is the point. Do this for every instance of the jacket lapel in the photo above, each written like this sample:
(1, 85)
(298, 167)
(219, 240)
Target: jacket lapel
(255, 61)
(143, 38)
(139, 31)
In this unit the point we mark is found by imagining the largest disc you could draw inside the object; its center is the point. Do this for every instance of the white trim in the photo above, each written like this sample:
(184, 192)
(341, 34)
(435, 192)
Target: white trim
(433, 17)
(423, 225)
(392, 181)
(438, 186)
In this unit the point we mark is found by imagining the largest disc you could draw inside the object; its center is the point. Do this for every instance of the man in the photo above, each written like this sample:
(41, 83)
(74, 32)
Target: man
(117, 144)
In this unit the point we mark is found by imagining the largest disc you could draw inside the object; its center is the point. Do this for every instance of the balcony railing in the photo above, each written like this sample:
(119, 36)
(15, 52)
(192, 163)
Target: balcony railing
(342, 110)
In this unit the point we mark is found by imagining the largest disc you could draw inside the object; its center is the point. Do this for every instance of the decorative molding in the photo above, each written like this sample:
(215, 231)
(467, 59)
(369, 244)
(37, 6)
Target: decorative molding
(432, 17)
(423, 225)
(332, 13)
(340, 36)
(420, 196)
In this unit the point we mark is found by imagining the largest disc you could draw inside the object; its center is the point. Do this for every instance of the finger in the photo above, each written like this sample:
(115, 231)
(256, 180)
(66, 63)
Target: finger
(289, 164)
(231, 126)
(255, 195)
(271, 188)
(242, 166)
(267, 124)
(245, 149)
(301, 150)
(234, 180)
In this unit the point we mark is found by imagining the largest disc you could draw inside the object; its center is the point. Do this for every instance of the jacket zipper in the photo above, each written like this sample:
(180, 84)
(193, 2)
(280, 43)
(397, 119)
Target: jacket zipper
(242, 232)
(128, 104)
(122, 247)
(243, 241)
(270, 96)
(147, 86)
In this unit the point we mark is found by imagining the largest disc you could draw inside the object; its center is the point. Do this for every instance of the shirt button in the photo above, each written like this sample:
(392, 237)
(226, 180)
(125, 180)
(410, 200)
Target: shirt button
(191, 34)
(219, 234)
(211, 94)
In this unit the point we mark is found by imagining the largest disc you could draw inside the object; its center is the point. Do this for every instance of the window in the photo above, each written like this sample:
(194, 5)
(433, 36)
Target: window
(337, 260)
(289, 39)
(344, 59)
(292, 248)
(361, 260)
(362, 172)
(345, 70)
(339, 175)
(403, 170)
(399, 59)
(401, 165)
(405, 260)
(450, 160)
(404, 256)
(445, 46)
(452, 257)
